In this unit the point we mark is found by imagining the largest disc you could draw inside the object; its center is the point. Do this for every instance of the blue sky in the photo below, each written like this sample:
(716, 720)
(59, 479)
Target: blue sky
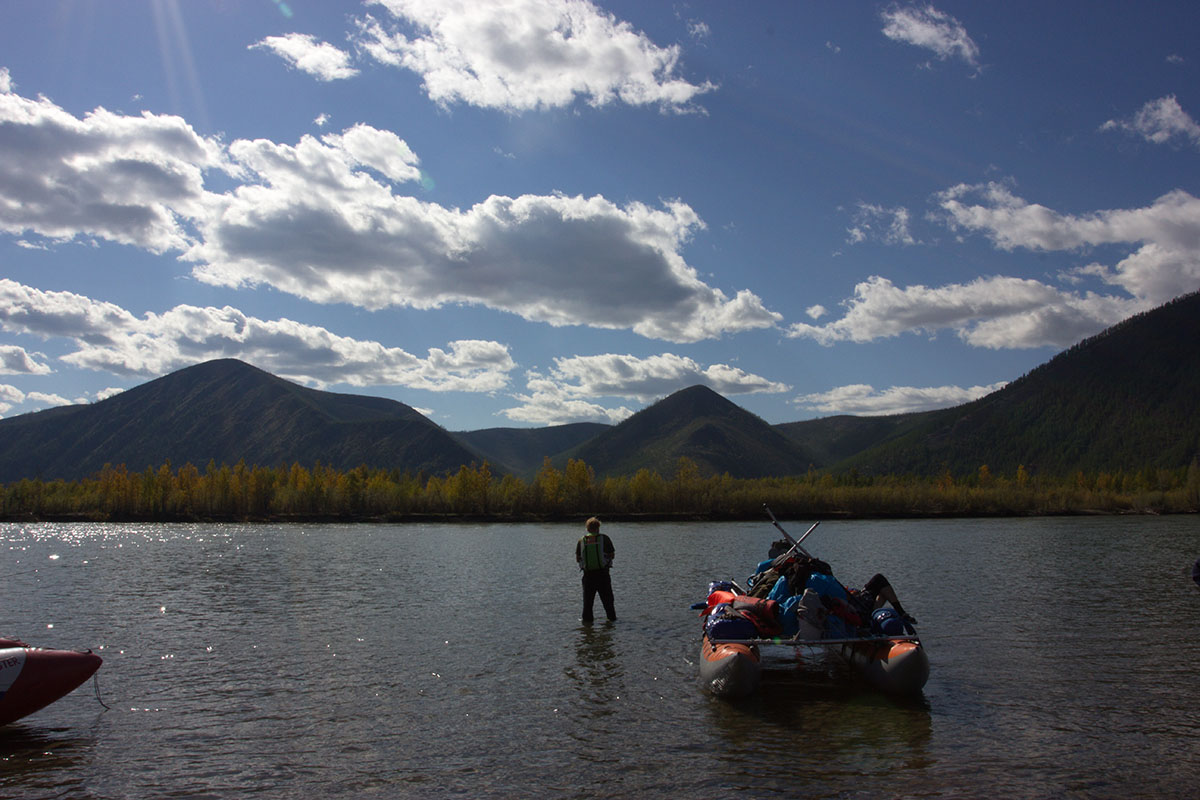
(533, 212)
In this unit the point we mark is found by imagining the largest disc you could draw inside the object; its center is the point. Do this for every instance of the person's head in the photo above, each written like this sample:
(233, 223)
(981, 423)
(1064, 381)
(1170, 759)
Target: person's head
(593, 525)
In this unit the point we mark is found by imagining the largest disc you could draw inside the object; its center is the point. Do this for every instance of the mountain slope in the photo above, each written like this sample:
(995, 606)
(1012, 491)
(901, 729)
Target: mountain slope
(1124, 399)
(524, 449)
(699, 424)
(225, 411)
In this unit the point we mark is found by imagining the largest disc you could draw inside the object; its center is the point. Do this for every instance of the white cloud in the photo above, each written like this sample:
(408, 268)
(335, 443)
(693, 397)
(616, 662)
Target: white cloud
(111, 391)
(864, 401)
(1006, 312)
(520, 55)
(1159, 121)
(553, 259)
(322, 221)
(111, 339)
(649, 378)
(382, 151)
(133, 180)
(10, 396)
(6, 84)
(1165, 265)
(44, 399)
(995, 312)
(16, 360)
(925, 26)
(568, 392)
(887, 225)
(548, 402)
(303, 52)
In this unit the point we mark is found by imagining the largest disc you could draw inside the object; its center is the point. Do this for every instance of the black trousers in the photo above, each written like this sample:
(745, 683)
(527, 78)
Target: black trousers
(597, 581)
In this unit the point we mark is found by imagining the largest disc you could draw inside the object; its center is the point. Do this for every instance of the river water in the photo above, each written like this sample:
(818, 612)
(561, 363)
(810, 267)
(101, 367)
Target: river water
(283, 661)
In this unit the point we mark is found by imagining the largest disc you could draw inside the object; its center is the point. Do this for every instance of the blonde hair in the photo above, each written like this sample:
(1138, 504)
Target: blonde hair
(593, 525)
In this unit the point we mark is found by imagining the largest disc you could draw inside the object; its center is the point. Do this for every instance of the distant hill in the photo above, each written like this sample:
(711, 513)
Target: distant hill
(225, 411)
(832, 440)
(1124, 399)
(524, 449)
(699, 424)
(1120, 401)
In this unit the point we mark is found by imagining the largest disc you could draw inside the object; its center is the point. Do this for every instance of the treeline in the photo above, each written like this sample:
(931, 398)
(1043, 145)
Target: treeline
(295, 492)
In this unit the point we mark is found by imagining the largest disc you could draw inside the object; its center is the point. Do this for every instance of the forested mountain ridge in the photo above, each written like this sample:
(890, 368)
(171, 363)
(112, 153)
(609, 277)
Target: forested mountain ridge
(702, 426)
(224, 411)
(524, 449)
(1124, 400)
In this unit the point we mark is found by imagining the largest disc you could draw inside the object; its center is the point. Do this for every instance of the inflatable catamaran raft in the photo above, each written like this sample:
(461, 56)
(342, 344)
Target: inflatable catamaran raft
(795, 601)
(32, 678)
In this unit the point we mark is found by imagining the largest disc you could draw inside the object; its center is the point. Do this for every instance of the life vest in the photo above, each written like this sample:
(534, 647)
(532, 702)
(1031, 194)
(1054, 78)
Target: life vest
(591, 549)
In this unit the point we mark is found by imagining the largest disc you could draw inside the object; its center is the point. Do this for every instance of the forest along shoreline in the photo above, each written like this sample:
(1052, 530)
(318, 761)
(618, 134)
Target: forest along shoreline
(473, 494)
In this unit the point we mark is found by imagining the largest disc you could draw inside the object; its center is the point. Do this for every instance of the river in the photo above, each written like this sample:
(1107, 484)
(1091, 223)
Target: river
(373, 660)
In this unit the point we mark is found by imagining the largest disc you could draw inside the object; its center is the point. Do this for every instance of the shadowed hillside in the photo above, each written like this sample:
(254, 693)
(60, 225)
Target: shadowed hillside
(523, 449)
(1125, 399)
(225, 411)
(698, 424)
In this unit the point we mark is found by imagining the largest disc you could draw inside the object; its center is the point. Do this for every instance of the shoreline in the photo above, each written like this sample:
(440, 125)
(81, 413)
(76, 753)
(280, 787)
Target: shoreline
(623, 517)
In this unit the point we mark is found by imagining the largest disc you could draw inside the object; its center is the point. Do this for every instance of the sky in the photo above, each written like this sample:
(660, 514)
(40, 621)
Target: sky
(524, 213)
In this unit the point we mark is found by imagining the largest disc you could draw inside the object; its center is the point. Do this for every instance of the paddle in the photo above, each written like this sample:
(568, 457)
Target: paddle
(788, 536)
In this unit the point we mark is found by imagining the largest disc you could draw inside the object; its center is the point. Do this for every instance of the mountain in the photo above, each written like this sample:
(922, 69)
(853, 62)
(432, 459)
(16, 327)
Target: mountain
(699, 424)
(523, 449)
(831, 440)
(225, 411)
(1125, 399)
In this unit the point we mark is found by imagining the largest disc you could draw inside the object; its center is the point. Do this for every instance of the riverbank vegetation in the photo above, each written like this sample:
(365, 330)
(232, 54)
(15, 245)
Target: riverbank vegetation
(297, 492)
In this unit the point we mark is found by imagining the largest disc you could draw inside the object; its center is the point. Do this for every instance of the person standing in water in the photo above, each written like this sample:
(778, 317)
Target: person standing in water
(594, 554)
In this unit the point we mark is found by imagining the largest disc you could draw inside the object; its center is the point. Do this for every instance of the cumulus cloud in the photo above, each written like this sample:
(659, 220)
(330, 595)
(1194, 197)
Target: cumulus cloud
(322, 220)
(864, 401)
(1008, 312)
(112, 339)
(10, 396)
(303, 52)
(1167, 233)
(992, 312)
(567, 393)
(554, 259)
(649, 378)
(133, 180)
(46, 399)
(1159, 121)
(548, 402)
(520, 55)
(925, 26)
(15, 360)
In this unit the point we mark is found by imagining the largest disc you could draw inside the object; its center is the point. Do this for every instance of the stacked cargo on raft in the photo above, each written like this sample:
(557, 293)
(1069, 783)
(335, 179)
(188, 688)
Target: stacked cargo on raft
(795, 601)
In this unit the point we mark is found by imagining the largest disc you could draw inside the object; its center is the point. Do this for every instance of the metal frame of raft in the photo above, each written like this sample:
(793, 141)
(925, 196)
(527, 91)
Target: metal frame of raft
(795, 642)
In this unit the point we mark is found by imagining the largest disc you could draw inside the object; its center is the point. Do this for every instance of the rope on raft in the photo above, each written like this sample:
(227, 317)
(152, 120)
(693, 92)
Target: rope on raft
(96, 686)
